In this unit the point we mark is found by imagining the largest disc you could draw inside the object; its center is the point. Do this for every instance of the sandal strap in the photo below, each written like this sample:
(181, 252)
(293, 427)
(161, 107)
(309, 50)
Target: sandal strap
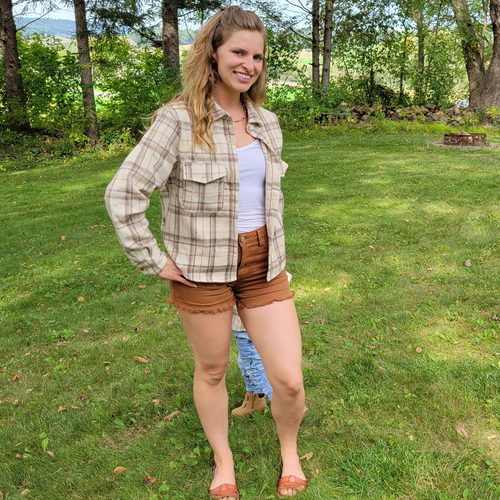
(225, 490)
(291, 482)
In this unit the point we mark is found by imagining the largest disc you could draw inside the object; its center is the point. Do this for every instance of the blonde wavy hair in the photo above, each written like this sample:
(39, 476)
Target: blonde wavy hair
(200, 76)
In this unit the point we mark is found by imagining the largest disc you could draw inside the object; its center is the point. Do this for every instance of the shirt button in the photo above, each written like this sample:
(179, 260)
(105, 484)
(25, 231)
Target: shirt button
(243, 239)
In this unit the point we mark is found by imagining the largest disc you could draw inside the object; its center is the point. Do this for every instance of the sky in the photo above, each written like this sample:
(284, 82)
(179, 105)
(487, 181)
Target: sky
(61, 13)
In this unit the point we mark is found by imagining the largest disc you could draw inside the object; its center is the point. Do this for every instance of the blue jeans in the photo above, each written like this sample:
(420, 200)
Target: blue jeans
(251, 366)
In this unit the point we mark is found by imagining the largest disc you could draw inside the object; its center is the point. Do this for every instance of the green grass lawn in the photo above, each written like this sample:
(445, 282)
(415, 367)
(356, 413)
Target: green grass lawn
(401, 337)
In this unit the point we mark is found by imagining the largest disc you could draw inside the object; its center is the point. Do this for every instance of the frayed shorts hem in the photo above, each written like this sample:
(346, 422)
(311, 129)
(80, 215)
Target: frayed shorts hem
(269, 302)
(195, 310)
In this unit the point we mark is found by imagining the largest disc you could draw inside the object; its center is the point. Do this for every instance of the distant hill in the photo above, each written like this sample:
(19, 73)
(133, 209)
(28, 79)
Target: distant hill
(64, 28)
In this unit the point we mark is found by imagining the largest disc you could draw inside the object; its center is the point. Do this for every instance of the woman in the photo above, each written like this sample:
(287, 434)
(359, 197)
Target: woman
(215, 156)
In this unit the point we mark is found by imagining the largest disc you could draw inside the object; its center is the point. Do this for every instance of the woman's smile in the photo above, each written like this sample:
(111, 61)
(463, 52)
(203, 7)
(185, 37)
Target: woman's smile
(240, 61)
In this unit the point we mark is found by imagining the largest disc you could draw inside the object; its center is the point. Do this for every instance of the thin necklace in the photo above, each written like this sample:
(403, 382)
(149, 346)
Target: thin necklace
(245, 108)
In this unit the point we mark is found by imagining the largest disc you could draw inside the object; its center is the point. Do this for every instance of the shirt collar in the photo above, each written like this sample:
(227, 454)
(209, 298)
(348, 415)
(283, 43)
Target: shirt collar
(253, 115)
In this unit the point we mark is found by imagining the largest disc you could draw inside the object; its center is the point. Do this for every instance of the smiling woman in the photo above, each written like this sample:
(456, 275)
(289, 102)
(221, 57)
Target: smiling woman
(215, 156)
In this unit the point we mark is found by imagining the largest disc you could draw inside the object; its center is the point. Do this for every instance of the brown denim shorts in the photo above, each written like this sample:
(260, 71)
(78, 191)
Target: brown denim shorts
(251, 288)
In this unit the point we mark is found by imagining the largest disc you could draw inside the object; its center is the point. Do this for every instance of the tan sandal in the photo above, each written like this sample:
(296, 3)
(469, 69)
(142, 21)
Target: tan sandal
(224, 490)
(291, 483)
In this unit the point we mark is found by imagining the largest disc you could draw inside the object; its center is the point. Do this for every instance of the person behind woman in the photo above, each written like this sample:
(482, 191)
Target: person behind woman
(215, 156)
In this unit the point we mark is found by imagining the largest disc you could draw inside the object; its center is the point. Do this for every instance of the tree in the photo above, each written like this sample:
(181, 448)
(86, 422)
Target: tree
(15, 94)
(327, 43)
(82, 40)
(484, 90)
(170, 34)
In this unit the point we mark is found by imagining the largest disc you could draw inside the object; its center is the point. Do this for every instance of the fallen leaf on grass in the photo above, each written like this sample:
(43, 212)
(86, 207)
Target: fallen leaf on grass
(492, 437)
(327, 289)
(141, 360)
(15, 377)
(1, 495)
(419, 420)
(149, 480)
(418, 350)
(496, 318)
(106, 362)
(50, 454)
(172, 415)
(371, 246)
(429, 269)
(142, 286)
(119, 470)
(86, 331)
(358, 471)
(63, 238)
(60, 409)
(125, 339)
(25, 492)
(80, 299)
(462, 431)
(156, 402)
(468, 263)
(307, 456)
(381, 368)
(19, 457)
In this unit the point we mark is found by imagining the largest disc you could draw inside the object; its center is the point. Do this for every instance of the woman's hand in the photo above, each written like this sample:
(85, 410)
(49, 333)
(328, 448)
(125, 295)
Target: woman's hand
(172, 272)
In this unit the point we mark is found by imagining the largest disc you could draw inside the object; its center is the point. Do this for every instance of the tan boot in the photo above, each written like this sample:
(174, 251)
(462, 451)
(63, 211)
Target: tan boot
(251, 403)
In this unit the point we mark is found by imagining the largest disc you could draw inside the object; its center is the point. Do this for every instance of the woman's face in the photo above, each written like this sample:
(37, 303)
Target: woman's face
(239, 61)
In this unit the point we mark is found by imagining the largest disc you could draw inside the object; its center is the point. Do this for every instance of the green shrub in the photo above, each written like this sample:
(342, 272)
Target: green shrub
(131, 83)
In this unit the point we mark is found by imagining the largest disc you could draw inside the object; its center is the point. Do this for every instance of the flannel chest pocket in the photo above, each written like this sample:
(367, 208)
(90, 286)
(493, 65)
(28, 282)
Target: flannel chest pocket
(202, 187)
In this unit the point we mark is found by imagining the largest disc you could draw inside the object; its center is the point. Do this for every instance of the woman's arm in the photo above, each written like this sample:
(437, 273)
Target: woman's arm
(146, 168)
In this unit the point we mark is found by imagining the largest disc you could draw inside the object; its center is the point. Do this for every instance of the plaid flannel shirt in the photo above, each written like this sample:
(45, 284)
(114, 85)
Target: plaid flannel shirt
(199, 192)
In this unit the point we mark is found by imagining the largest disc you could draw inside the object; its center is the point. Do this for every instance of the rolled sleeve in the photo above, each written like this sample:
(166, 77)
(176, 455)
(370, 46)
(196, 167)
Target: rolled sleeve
(145, 169)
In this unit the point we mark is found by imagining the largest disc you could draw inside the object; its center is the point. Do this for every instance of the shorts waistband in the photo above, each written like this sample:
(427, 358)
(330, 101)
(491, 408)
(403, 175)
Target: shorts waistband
(259, 234)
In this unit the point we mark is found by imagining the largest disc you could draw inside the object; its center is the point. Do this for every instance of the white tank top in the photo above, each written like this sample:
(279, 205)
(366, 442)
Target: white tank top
(251, 209)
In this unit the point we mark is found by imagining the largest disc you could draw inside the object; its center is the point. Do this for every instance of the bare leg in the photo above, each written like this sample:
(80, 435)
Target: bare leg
(274, 329)
(210, 339)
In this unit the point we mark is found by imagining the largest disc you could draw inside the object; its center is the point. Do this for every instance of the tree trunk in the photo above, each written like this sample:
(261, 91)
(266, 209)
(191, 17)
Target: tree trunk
(14, 89)
(474, 63)
(327, 44)
(488, 92)
(170, 34)
(315, 41)
(82, 39)
(421, 56)
(403, 65)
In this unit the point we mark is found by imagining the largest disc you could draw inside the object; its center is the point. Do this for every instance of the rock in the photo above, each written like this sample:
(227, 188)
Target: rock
(488, 119)
(365, 118)
(412, 117)
(443, 118)
(429, 119)
(423, 110)
(450, 112)
(456, 110)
